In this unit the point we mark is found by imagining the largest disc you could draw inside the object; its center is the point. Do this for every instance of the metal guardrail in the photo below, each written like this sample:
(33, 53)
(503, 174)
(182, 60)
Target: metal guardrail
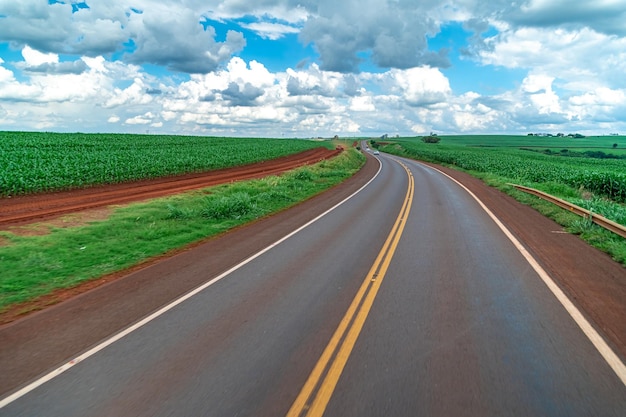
(596, 218)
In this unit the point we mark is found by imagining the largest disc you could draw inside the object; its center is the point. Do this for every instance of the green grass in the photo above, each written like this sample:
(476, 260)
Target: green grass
(42, 162)
(36, 265)
(518, 141)
(575, 152)
(598, 184)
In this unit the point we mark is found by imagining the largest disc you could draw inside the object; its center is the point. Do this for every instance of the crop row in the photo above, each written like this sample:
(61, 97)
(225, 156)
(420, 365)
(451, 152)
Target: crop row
(602, 177)
(39, 162)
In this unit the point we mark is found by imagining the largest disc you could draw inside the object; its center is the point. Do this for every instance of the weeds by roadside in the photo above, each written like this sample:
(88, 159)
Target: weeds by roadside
(31, 266)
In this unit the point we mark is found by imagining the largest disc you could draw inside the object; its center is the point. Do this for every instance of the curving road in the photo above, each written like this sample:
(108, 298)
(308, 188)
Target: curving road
(405, 299)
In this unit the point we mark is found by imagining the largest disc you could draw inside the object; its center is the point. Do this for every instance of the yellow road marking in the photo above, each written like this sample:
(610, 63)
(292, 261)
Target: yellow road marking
(315, 395)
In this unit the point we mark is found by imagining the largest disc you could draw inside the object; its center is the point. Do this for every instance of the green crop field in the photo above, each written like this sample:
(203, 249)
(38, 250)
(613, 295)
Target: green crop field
(62, 257)
(509, 158)
(518, 141)
(39, 162)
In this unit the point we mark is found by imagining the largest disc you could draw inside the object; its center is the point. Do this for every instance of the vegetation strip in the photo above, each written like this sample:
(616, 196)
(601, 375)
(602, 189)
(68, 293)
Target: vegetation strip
(599, 220)
(33, 162)
(31, 266)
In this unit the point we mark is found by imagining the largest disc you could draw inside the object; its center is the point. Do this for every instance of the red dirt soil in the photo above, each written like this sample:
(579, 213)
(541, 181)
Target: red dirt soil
(31, 208)
(91, 203)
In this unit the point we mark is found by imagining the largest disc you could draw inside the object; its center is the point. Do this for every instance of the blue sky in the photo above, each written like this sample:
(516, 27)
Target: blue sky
(307, 68)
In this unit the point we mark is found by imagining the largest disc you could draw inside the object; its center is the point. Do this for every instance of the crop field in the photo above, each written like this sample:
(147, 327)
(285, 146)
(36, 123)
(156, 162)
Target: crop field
(519, 141)
(33, 265)
(507, 158)
(42, 162)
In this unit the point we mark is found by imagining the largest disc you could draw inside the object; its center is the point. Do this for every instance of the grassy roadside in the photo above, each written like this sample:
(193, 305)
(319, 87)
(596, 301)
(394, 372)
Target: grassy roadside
(32, 266)
(596, 236)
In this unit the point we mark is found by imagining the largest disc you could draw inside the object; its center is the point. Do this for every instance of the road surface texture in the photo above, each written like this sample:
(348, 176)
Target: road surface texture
(406, 299)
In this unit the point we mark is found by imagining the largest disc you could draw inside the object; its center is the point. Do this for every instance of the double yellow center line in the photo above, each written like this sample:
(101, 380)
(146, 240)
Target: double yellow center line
(319, 387)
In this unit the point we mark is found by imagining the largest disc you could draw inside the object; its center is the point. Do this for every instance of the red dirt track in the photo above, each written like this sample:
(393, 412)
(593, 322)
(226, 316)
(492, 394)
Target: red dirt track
(24, 209)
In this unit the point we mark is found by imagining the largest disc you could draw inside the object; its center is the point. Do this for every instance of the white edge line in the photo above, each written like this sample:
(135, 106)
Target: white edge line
(600, 344)
(61, 369)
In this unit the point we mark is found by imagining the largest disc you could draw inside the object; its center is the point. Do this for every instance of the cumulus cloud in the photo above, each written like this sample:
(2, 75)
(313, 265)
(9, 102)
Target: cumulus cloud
(539, 90)
(35, 61)
(167, 35)
(144, 119)
(175, 39)
(74, 67)
(57, 28)
(35, 58)
(314, 81)
(394, 33)
(362, 104)
(270, 30)
(87, 65)
(134, 94)
(602, 16)
(242, 95)
(422, 86)
(288, 11)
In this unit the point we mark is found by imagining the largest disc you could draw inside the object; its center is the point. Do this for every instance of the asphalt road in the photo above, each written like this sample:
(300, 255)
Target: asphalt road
(405, 300)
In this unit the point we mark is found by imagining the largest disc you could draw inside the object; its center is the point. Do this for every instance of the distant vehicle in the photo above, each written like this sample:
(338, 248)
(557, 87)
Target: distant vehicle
(376, 152)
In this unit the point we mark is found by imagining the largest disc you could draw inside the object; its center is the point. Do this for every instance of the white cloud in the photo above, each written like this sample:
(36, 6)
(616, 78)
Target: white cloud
(279, 10)
(255, 73)
(422, 86)
(601, 97)
(314, 81)
(173, 37)
(34, 58)
(169, 35)
(6, 75)
(134, 94)
(89, 67)
(576, 56)
(605, 16)
(394, 32)
(269, 30)
(144, 119)
(539, 91)
(363, 103)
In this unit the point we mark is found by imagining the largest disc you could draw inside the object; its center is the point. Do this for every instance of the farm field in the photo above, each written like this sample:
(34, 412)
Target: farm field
(43, 162)
(520, 141)
(597, 184)
(55, 257)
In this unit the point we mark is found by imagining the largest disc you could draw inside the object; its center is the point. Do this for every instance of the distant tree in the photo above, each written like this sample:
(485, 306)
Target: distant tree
(614, 145)
(431, 139)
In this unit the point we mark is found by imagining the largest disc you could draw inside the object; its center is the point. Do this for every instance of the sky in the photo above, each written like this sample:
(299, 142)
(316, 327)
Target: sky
(313, 68)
